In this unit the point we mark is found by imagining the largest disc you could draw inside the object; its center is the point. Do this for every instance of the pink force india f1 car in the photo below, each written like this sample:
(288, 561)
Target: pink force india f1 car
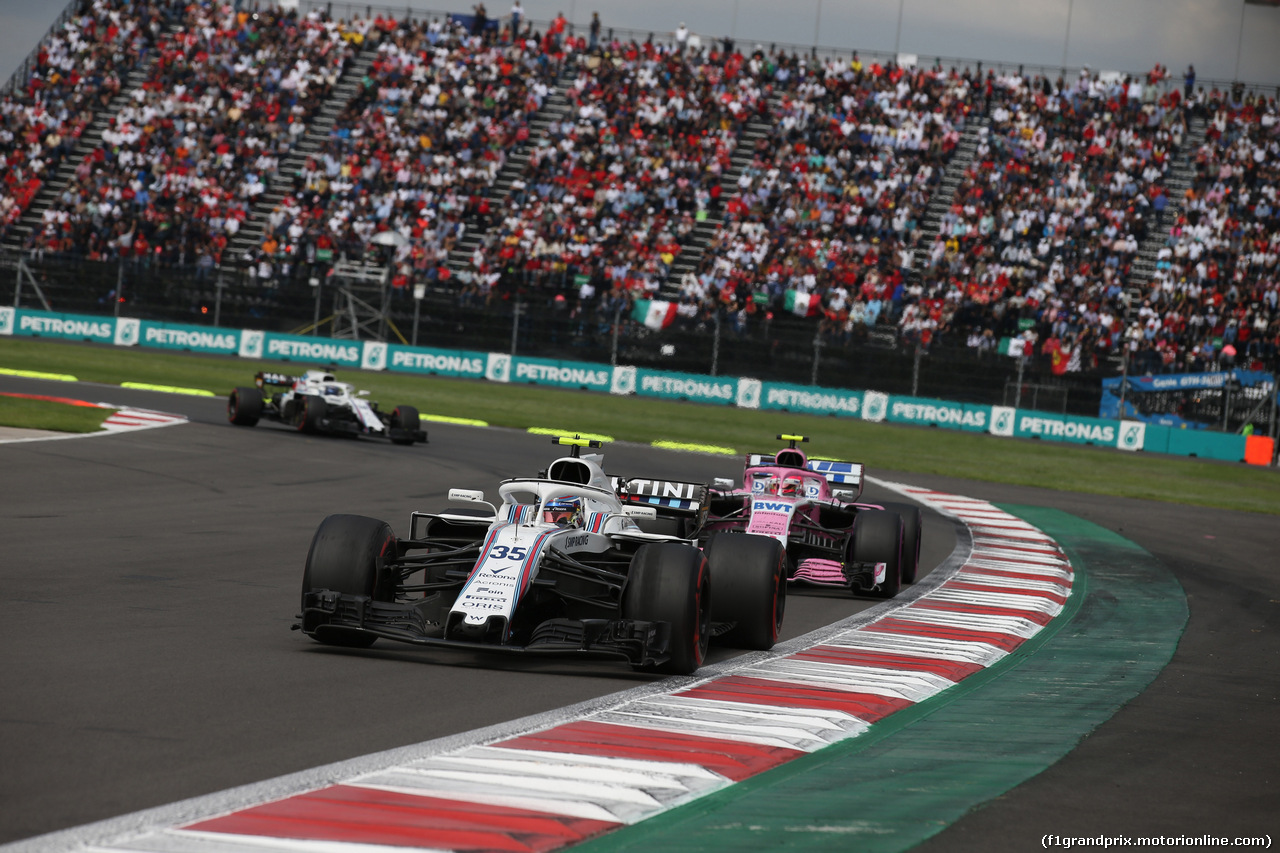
(812, 507)
(568, 562)
(316, 402)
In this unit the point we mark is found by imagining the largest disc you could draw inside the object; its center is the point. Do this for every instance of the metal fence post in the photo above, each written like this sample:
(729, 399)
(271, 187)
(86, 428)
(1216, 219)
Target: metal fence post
(419, 291)
(617, 320)
(515, 324)
(817, 356)
(915, 373)
(1017, 395)
(315, 319)
(715, 344)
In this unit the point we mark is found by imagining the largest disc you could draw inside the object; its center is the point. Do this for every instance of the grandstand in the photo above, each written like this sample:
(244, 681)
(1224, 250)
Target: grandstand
(832, 216)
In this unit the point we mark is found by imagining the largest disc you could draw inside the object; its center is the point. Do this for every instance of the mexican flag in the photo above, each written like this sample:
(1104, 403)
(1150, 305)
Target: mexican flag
(654, 313)
(1014, 346)
(804, 304)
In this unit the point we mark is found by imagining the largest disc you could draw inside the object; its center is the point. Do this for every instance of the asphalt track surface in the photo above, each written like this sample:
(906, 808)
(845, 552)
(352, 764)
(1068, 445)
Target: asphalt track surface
(148, 581)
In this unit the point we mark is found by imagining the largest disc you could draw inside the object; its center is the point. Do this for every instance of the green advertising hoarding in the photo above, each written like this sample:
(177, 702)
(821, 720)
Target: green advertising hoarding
(326, 351)
(811, 400)
(190, 338)
(1069, 428)
(939, 413)
(69, 327)
(562, 374)
(688, 386)
(436, 362)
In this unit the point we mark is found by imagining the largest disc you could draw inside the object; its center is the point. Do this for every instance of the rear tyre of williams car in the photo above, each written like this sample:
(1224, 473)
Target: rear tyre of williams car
(877, 538)
(244, 406)
(671, 583)
(343, 558)
(749, 588)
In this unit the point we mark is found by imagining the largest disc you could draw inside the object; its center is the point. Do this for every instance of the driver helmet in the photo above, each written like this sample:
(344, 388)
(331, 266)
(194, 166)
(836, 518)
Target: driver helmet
(563, 512)
(792, 488)
(332, 391)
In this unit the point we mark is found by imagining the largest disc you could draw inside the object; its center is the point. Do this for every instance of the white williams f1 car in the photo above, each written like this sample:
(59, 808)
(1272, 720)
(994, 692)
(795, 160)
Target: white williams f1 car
(559, 565)
(316, 402)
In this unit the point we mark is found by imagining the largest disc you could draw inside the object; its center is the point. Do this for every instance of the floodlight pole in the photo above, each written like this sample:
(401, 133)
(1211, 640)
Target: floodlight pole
(897, 36)
(1066, 38)
(1240, 40)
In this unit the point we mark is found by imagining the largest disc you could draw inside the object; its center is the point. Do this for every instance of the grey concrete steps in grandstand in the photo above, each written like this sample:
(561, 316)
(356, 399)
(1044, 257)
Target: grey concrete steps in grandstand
(952, 176)
(280, 184)
(554, 109)
(694, 247)
(89, 141)
(1178, 180)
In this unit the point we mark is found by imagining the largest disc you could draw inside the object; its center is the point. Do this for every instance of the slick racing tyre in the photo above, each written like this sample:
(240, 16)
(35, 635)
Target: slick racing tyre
(244, 406)
(877, 538)
(343, 558)
(912, 525)
(670, 583)
(405, 418)
(310, 412)
(748, 588)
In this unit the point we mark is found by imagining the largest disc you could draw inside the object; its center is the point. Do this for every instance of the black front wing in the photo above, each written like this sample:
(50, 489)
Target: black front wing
(643, 644)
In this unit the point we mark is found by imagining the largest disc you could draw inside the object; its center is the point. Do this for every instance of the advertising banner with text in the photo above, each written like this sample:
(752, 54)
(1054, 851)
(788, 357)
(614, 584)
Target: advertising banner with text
(200, 339)
(811, 400)
(687, 386)
(436, 362)
(69, 327)
(562, 374)
(939, 413)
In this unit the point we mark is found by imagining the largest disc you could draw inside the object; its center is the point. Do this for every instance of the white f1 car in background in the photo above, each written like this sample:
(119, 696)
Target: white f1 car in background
(316, 402)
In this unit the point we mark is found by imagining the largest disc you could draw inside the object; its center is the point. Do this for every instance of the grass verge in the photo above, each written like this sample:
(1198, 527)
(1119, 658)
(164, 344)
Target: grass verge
(880, 446)
(46, 414)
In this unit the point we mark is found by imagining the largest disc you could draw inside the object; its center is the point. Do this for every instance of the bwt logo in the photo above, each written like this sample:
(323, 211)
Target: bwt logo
(770, 506)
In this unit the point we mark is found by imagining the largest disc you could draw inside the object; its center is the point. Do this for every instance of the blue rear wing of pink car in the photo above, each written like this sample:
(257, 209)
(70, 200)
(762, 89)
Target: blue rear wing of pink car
(846, 475)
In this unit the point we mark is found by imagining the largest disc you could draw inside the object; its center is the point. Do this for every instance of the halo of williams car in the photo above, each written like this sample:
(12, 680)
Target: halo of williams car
(316, 402)
(576, 561)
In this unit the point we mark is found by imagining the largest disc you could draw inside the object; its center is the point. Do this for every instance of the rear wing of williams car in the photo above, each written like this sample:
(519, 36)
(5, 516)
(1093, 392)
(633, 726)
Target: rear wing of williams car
(280, 379)
(668, 497)
(843, 476)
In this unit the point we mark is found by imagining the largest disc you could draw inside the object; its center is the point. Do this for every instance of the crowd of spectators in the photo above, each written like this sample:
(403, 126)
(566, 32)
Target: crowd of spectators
(416, 151)
(1068, 181)
(76, 71)
(1215, 296)
(227, 96)
(824, 218)
(611, 193)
